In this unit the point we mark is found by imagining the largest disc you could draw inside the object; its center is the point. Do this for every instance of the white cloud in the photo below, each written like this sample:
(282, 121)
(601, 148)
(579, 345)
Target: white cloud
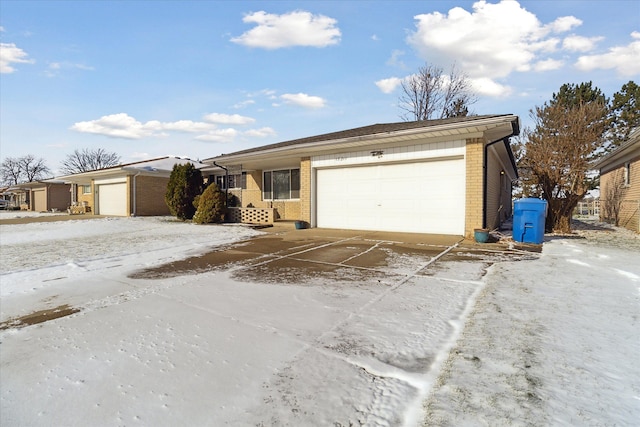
(298, 28)
(548, 65)
(488, 43)
(243, 104)
(303, 100)
(122, 125)
(219, 135)
(489, 87)
(55, 67)
(624, 59)
(228, 119)
(576, 43)
(260, 133)
(564, 24)
(11, 54)
(388, 85)
(395, 59)
(375, 38)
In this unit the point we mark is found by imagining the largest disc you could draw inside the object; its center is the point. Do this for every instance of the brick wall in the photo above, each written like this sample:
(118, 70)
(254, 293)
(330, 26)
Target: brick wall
(284, 209)
(150, 192)
(59, 196)
(474, 185)
(305, 189)
(86, 198)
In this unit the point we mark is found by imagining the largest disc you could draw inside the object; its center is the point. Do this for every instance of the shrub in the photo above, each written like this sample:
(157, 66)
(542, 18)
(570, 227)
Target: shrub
(185, 183)
(211, 206)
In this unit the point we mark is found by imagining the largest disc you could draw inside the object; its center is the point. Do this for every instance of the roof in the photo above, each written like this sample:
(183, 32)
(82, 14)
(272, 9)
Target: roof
(39, 183)
(151, 166)
(380, 129)
(626, 148)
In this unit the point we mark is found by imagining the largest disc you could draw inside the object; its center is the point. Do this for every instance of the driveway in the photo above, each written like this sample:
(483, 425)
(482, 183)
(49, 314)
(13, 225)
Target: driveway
(292, 327)
(285, 255)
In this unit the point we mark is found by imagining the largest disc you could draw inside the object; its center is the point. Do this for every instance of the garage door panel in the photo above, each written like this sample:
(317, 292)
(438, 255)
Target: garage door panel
(39, 201)
(112, 199)
(423, 197)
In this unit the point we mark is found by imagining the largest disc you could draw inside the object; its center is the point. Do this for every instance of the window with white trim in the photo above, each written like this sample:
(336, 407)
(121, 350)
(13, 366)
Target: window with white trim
(86, 189)
(281, 184)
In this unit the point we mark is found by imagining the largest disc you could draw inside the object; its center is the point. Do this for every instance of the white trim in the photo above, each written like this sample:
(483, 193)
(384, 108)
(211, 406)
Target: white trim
(110, 181)
(383, 155)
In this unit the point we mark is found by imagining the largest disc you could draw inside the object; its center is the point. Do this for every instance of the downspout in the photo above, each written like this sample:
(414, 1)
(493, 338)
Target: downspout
(505, 140)
(226, 183)
(135, 199)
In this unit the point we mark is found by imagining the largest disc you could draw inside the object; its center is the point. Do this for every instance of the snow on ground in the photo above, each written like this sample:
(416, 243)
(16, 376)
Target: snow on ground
(550, 341)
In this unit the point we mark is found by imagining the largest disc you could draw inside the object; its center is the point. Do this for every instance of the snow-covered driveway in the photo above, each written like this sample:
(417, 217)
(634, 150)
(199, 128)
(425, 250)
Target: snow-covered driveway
(342, 343)
(304, 334)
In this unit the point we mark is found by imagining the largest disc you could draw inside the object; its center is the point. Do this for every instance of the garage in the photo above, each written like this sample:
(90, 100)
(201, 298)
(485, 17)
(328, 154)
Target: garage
(112, 199)
(39, 200)
(416, 197)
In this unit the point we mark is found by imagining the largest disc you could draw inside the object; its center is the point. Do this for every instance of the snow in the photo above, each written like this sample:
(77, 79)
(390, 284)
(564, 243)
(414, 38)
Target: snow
(548, 341)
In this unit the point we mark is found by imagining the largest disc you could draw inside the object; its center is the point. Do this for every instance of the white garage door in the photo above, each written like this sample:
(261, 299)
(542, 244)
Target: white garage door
(422, 197)
(112, 199)
(39, 201)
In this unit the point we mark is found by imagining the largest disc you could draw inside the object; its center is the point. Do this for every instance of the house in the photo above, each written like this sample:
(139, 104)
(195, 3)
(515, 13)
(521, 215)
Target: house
(132, 189)
(446, 176)
(47, 195)
(16, 196)
(620, 184)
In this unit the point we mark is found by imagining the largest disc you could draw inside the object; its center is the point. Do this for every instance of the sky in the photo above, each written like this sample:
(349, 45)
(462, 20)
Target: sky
(197, 79)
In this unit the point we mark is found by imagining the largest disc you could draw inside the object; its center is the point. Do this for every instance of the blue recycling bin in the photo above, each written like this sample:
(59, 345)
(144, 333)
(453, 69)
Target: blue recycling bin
(528, 220)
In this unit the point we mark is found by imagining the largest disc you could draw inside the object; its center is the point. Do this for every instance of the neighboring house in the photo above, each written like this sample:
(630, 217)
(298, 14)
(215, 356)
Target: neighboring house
(447, 176)
(620, 184)
(16, 196)
(47, 195)
(133, 189)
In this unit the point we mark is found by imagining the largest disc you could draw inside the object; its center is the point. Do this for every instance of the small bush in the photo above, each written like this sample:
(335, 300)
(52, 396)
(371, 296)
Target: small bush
(211, 206)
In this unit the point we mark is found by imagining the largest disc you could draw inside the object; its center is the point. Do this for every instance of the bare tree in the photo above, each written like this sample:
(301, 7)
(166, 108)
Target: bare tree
(34, 168)
(10, 171)
(88, 159)
(558, 156)
(15, 170)
(612, 197)
(432, 94)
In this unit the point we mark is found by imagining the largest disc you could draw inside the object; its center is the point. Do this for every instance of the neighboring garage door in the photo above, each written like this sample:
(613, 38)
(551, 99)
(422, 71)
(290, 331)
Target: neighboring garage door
(39, 201)
(112, 199)
(421, 197)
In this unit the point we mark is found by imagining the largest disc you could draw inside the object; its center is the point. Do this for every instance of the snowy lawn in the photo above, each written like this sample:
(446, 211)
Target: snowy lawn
(551, 342)
(547, 341)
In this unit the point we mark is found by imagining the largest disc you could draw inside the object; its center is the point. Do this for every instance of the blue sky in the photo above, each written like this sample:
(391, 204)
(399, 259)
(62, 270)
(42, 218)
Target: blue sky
(200, 78)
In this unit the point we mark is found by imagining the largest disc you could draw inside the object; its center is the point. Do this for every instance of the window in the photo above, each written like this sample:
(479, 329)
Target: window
(86, 189)
(281, 184)
(234, 181)
(627, 173)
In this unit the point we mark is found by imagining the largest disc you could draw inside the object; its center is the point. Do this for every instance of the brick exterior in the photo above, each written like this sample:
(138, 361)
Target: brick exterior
(474, 185)
(88, 197)
(252, 195)
(150, 192)
(305, 189)
(49, 197)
